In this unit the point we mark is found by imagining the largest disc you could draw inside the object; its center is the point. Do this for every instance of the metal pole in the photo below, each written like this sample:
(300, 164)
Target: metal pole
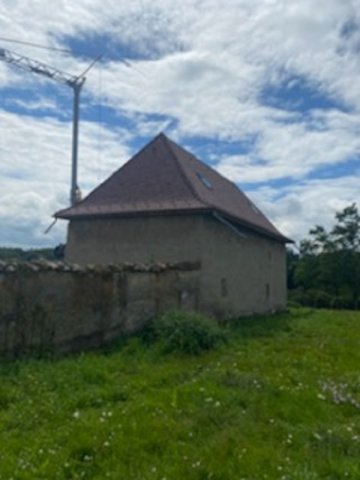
(75, 136)
(75, 83)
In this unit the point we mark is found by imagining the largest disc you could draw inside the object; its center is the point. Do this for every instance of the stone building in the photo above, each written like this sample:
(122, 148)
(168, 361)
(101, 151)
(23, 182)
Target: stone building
(164, 205)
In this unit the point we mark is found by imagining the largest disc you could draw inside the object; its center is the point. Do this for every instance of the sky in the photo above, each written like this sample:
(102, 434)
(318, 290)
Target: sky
(267, 92)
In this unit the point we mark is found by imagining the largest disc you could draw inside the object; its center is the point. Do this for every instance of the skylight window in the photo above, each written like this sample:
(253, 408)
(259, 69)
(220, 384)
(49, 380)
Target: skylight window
(204, 180)
(255, 209)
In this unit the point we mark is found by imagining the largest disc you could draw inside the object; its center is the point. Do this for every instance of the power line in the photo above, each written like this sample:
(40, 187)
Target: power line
(20, 42)
(126, 62)
(97, 59)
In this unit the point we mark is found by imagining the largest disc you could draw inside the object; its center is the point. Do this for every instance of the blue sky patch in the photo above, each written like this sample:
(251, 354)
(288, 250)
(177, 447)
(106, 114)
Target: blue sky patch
(210, 150)
(278, 183)
(295, 94)
(38, 102)
(350, 28)
(343, 169)
(91, 46)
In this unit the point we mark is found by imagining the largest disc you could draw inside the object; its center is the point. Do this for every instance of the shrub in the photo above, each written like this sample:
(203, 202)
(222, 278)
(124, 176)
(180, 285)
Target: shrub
(321, 299)
(185, 332)
(296, 297)
(318, 299)
(345, 302)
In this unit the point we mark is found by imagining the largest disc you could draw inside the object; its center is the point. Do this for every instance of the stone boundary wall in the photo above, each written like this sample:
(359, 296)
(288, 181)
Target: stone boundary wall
(66, 307)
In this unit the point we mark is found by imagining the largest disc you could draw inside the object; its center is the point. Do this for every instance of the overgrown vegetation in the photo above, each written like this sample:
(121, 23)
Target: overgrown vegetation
(184, 333)
(326, 271)
(279, 400)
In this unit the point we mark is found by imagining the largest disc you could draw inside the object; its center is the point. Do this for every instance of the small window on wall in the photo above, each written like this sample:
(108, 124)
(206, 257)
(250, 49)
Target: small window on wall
(267, 291)
(223, 287)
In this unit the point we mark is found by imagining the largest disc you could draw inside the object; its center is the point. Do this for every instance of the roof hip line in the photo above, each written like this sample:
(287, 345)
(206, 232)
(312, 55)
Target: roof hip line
(183, 174)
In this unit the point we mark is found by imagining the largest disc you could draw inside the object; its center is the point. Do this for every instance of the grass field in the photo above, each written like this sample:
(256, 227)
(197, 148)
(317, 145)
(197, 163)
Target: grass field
(279, 400)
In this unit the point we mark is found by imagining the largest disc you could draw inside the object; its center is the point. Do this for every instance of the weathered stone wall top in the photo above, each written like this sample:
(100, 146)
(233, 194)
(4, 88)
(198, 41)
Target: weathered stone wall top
(56, 266)
(56, 306)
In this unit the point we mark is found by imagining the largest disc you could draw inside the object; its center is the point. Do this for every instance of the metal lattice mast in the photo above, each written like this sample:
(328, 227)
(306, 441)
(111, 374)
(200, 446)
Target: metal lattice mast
(76, 83)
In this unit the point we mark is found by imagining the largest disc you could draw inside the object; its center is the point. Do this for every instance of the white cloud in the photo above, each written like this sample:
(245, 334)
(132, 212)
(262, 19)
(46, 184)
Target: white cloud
(203, 65)
(295, 150)
(42, 103)
(35, 172)
(306, 204)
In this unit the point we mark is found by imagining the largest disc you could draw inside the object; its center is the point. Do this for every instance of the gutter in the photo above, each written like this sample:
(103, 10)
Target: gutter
(228, 225)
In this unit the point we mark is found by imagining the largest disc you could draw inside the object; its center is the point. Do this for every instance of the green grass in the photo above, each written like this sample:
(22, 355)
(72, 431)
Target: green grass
(279, 400)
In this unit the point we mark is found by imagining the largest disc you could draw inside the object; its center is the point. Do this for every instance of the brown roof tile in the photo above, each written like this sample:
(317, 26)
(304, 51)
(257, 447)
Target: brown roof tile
(165, 178)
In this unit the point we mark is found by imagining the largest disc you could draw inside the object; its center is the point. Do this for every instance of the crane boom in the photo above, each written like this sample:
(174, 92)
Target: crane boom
(34, 66)
(76, 83)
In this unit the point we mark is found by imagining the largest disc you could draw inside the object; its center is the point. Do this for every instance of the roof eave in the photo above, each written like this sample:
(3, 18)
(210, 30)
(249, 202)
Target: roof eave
(67, 215)
(255, 228)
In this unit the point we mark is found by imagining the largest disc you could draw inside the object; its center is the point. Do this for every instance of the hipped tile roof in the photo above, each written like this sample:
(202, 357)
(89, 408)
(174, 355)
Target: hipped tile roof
(163, 178)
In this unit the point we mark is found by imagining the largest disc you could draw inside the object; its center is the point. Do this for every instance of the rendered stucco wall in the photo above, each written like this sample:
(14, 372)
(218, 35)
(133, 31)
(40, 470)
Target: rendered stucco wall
(240, 274)
(148, 239)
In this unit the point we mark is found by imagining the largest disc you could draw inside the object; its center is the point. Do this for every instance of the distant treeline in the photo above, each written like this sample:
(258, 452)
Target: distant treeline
(325, 271)
(18, 254)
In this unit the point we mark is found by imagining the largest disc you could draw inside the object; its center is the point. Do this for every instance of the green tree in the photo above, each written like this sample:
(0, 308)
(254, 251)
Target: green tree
(346, 233)
(329, 261)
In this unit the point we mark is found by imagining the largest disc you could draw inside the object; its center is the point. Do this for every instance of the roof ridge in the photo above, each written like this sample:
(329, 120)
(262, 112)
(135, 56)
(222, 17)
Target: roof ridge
(167, 142)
